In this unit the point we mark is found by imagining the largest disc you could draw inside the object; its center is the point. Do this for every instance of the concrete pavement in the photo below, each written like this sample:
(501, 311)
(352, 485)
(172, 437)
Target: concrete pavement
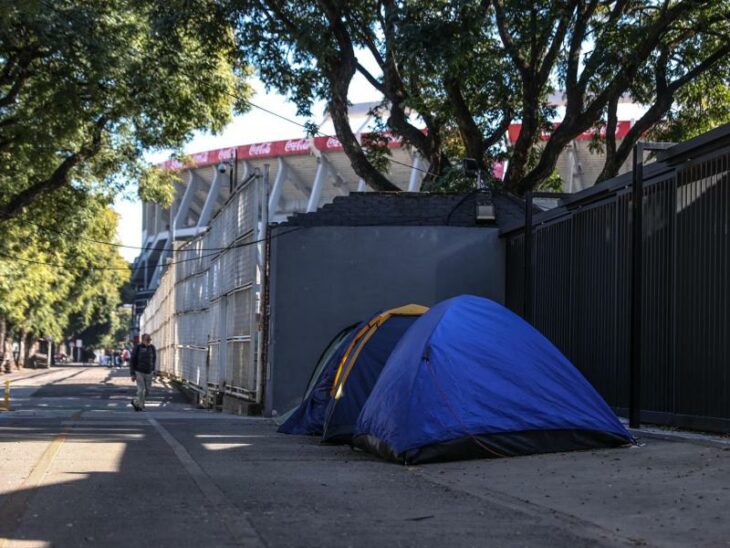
(78, 467)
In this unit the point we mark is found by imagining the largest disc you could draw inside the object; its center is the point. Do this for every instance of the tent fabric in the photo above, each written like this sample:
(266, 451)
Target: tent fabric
(359, 372)
(365, 341)
(472, 379)
(308, 417)
(364, 333)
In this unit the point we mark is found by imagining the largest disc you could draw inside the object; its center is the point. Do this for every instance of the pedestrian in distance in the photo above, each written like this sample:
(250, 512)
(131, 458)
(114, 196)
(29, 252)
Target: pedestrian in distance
(142, 369)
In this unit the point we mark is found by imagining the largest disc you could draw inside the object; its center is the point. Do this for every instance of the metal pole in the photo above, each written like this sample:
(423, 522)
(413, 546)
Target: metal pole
(265, 204)
(235, 169)
(637, 232)
(528, 266)
(261, 340)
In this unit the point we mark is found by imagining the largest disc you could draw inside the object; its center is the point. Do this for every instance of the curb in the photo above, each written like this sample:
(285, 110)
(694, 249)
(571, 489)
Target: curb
(707, 440)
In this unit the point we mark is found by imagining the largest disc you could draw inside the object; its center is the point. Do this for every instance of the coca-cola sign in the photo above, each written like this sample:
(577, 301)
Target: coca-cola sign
(200, 159)
(260, 149)
(272, 149)
(226, 154)
(333, 142)
(296, 146)
(622, 129)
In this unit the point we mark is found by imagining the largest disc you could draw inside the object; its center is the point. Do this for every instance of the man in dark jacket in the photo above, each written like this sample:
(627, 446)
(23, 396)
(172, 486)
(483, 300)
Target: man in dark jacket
(142, 368)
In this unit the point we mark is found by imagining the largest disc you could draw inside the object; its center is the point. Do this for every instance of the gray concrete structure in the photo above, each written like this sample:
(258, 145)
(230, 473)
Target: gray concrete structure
(326, 278)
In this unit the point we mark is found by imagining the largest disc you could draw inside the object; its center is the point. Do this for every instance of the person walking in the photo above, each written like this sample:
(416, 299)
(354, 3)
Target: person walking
(141, 369)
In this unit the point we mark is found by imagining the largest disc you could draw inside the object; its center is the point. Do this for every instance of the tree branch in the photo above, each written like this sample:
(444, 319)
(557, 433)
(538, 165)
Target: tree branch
(59, 177)
(501, 129)
(13, 92)
(548, 61)
(371, 79)
(471, 135)
(507, 41)
(574, 51)
(704, 66)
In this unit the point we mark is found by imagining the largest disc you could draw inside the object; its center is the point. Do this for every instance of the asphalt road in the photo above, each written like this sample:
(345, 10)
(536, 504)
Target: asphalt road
(78, 467)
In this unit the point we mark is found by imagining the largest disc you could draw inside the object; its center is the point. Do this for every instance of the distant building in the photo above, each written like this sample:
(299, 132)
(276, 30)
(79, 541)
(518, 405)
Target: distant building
(305, 174)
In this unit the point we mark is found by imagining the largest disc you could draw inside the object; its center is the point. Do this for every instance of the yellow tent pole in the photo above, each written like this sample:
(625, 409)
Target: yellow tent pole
(349, 357)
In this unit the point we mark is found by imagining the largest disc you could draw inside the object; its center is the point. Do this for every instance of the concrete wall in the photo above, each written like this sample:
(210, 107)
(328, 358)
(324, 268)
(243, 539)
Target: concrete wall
(325, 278)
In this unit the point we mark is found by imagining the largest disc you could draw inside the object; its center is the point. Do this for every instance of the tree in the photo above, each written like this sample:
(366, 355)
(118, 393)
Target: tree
(699, 107)
(310, 51)
(305, 51)
(58, 282)
(86, 86)
(470, 67)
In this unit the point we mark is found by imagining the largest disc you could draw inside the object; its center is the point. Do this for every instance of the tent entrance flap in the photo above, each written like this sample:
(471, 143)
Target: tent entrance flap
(362, 337)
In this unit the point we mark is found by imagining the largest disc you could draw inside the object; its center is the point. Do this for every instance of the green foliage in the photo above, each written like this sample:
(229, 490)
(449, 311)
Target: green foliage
(86, 86)
(158, 185)
(57, 282)
(701, 106)
(453, 179)
(468, 68)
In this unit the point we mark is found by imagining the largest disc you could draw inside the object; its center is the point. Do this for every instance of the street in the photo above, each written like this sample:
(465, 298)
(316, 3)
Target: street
(78, 467)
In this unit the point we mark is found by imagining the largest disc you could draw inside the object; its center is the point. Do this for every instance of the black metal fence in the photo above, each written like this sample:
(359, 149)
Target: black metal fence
(579, 280)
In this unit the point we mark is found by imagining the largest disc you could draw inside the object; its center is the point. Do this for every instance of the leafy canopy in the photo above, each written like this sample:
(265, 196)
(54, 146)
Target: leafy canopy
(60, 281)
(87, 86)
(469, 68)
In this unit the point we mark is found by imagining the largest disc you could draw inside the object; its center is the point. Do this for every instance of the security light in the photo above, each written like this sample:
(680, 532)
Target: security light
(484, 207)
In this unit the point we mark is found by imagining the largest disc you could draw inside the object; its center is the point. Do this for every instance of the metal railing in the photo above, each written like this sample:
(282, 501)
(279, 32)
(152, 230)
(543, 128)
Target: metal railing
(594, 285)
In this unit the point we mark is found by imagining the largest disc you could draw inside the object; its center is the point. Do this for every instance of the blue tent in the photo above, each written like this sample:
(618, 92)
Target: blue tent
(470, 379)
(345, 374)
(360, 369)
(308, 417)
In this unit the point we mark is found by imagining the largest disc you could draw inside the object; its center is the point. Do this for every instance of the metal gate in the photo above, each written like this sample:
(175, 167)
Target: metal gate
(579, 279)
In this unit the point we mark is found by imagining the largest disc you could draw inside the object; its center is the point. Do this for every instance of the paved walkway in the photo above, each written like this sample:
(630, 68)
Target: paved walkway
(78, 467)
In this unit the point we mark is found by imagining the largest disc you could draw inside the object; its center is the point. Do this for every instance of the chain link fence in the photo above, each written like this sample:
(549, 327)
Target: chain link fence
(203, 317)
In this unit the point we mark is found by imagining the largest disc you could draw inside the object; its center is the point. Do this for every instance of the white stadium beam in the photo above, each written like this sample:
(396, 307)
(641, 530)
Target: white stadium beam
(323, 171)
(296, 180)
(145, 223)
(417, 173)
(281, 177)
(158, 219)
(211, 198)
(244, 170)
(184, 209)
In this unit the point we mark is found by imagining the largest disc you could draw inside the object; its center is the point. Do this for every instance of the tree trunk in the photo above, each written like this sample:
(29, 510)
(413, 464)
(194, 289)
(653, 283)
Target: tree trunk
(547, 163)
(4, 358)
(469, 131)
(21, 349)
(360, 163)
(613, 164)
(528, 134)
(340, 69)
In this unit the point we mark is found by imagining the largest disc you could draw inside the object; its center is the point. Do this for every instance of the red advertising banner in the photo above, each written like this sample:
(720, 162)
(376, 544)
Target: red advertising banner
(622, 128)
(292, 147)
(269, 149)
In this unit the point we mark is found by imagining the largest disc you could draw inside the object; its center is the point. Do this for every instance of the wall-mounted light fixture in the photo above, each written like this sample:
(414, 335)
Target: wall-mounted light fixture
(484, 207)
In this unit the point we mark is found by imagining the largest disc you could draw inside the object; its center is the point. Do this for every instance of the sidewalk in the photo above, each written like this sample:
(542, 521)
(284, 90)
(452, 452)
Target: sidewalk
(79, 467)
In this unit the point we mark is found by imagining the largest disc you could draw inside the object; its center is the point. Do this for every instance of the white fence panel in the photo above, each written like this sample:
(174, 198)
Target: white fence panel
(202, 317)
